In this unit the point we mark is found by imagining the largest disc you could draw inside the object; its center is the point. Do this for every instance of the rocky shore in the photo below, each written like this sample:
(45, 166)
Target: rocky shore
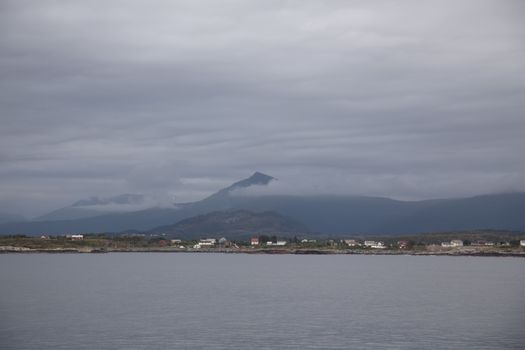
(453, 252)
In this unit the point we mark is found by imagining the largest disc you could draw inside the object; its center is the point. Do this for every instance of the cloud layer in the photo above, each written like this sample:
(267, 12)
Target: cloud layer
(411, 99)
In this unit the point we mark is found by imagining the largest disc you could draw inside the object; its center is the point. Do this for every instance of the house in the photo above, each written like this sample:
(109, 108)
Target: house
(403, 244)
(452, 243)
(278, 243)
(223, 240)
(482, 243)
(176, 241)
(308, 240)
(254, 241)
(456, 243)
(522, 243)
(375, 245)
(207, 242)
(379, 245)
(351, 242)
(75, 237)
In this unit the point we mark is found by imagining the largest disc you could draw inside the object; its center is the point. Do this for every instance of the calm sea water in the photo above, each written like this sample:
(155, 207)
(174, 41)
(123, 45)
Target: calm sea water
(221, 301)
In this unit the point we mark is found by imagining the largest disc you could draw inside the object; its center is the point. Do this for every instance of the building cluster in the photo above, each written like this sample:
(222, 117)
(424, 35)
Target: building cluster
(255, 241)
(276, 243)
(374, 244)
(354, 243)
(459, 243)
(366, 244)
(210, 242)
(206, 242)
(453, 243)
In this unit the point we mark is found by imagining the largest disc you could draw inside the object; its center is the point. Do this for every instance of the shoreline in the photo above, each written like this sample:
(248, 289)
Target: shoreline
(477, 253)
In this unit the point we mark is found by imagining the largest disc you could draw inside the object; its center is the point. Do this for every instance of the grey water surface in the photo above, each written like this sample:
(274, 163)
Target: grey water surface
(236, 301)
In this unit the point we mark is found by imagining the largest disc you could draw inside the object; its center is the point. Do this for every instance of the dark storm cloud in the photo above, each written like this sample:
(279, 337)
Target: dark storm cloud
(412, 99)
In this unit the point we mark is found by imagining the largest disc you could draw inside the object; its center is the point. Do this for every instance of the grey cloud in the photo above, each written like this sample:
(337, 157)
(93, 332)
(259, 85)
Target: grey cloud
(408, 99)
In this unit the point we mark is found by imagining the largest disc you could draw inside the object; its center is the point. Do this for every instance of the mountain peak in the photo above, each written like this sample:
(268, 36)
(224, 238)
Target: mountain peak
(260, 177)
(257, 178)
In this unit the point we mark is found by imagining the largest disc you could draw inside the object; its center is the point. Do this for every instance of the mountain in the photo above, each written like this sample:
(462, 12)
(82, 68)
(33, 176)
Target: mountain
(146, 219)
(96, 206)
(238, 224)
(324, 214)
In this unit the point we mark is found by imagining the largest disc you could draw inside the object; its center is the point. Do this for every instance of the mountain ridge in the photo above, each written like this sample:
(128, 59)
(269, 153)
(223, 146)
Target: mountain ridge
(326, 214)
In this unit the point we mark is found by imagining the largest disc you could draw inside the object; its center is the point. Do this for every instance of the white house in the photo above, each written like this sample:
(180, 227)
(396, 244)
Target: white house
(379, 245)
(456, 243)
(522, 243)
(452, 243)
(278, 243)
(207, 242)
(351, 242)
(375, 245)
(75, 237)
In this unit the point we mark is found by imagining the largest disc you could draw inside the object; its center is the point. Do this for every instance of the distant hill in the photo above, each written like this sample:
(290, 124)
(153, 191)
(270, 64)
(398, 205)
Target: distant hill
(323, 214)
(375, 215)
(238, 224)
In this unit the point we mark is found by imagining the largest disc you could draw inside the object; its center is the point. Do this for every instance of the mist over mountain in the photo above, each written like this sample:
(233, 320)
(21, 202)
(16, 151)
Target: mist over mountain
(125, 199)
(321, 214)
(97, 206)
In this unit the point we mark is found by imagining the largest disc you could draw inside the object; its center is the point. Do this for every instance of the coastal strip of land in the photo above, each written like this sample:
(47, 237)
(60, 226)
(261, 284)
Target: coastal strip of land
(444, 244)
(273, 251)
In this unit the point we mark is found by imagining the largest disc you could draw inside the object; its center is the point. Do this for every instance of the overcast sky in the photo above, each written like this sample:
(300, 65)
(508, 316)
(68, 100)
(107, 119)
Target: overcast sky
(406, 99)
